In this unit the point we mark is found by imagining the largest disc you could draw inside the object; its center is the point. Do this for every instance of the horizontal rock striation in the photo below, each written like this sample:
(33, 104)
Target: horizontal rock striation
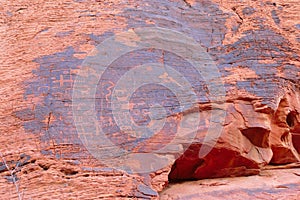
(252, 48)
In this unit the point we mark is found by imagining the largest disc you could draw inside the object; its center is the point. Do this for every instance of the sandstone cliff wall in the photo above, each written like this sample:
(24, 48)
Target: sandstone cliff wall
(255, 46)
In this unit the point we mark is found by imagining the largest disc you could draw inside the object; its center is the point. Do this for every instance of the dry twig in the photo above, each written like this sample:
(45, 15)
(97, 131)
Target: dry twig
(12, 174)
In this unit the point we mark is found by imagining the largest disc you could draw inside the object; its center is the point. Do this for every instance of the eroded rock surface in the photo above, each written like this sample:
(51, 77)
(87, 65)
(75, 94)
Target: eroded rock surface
(270, 184)
(252, 137)
(255, 45)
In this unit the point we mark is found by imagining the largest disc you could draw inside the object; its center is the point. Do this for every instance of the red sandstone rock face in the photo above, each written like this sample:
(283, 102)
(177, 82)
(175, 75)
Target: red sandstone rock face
(252, 137)
(255, 46)
(270, 184)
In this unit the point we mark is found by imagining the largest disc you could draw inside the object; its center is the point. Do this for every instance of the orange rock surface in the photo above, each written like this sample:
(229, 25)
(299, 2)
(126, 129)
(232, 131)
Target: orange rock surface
(270, 184)
(255, 46)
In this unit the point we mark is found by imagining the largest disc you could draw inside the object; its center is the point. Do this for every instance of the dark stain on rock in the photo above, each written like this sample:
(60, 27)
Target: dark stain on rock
(275, 17)
(56, 73)
(247, 11)
(53, 85)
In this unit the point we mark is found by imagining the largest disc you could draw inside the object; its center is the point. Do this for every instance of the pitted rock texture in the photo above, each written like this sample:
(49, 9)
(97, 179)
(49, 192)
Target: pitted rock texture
(255, 45)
